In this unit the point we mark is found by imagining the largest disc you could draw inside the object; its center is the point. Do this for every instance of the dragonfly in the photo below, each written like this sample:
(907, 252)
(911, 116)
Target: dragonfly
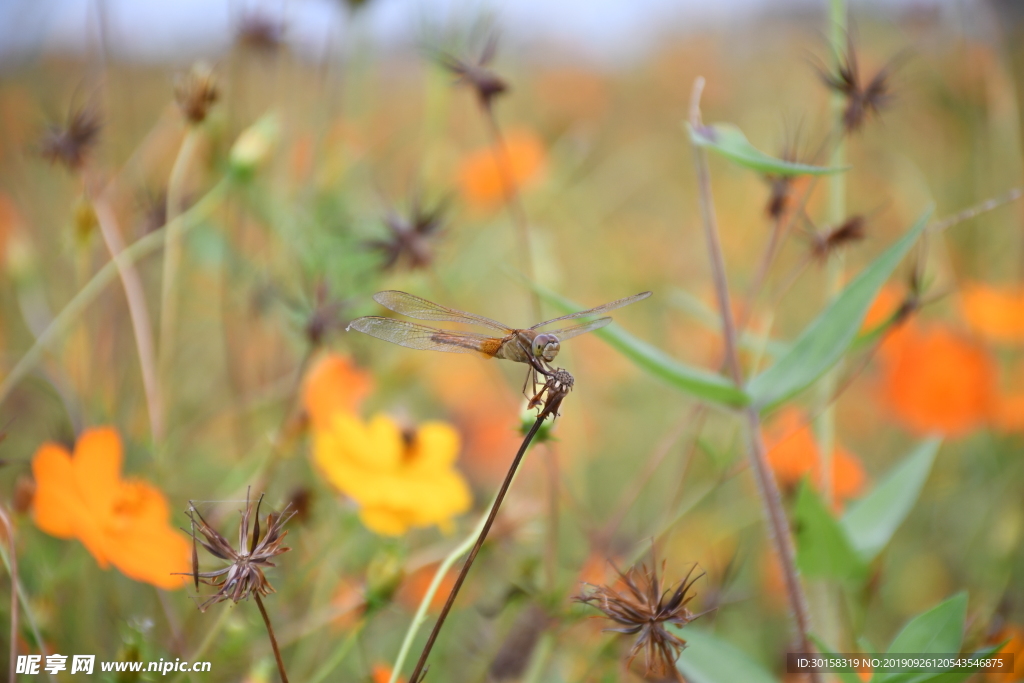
(533, 346)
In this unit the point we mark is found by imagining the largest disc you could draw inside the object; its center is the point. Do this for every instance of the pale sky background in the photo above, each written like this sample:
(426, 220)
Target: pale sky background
(156, 30)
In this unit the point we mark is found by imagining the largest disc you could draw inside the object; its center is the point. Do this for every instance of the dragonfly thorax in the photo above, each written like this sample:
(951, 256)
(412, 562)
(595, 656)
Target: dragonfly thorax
(546, 346)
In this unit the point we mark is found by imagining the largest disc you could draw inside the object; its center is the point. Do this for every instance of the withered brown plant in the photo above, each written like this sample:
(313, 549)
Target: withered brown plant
(863, 98)
(409, 236)
(645, 609)
(196, 92)
(70, 142)
(477, 74)
(826, 243)
(243, 577)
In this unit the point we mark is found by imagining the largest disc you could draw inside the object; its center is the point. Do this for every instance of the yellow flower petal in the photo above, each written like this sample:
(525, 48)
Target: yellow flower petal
(436, 446)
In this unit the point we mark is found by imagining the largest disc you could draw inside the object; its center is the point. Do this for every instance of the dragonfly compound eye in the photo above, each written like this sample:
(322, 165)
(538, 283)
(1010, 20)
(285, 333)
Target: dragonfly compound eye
(546, 346)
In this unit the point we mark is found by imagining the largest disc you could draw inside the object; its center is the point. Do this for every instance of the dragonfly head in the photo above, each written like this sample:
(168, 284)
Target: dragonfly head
(545, 346)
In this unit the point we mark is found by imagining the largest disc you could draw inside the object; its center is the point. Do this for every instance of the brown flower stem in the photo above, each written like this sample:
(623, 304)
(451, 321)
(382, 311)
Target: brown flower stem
(14, 593)
(514, 204)
(137, 311)
(418, 671)
(273, 639)
(770, 496)
(978, 209)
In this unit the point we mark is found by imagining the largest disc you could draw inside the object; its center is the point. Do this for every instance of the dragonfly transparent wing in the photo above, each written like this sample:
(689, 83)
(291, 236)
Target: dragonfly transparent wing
(413, 336)
(421, 309)
(610, 306)
(582, 328)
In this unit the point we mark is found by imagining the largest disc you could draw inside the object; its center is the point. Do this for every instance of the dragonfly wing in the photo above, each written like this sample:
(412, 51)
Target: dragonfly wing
(610, 306)
(582, 328)
(421, 309)
(413, 336)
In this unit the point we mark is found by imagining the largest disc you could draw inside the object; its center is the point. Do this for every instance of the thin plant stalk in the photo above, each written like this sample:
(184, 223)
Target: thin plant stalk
(418, 671)
(826, 422)
(339, 655)
(208, 639)
(273, 639)
(137, 311)
(172, 247)
(428, 596)
(514, 204)
(14, 592)
(767, 487)
(11, 563)
(94, 287)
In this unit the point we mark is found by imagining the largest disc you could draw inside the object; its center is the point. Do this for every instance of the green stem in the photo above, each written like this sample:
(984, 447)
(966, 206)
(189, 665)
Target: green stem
(825, 424)
(92, 289)
(211, 635)
(10, 562)
(339, 655)
(421, 611)
(172, 248)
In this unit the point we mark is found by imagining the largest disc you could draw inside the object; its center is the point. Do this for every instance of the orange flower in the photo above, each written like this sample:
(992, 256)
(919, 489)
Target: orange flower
(483, 180)
(334, 385)
(1015, 646)
(793, 454)
(382, 674)
(997, 314)
(414, 588)
(121, 522)
(939, 382)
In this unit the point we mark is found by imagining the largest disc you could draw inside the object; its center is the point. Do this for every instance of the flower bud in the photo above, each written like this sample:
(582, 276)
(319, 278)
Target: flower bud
(383, 576)
(253, 146)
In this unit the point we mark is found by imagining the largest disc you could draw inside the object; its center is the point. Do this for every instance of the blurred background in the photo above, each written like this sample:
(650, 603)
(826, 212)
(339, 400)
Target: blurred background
(371, 131)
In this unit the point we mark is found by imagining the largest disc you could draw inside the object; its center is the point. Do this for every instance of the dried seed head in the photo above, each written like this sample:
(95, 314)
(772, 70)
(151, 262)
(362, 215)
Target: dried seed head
(244, 575)
(781, 186)
(644, 609)
(827, 243)
(409, 238)
(325, 316)
(477, 74)
(68, 144)
(260, 32)
(862, 99)
(195, 92)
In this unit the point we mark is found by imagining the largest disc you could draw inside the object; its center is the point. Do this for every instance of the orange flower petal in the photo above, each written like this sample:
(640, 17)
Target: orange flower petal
(997, 314)
(939, 382)
(152, 553)
(56, 502)
(97, 465)
(382, 674)
(334, 385)
(482, 178)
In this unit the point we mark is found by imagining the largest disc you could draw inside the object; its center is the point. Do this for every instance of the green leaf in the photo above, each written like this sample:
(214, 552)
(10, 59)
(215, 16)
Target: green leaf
(940, 630)
(729, 141)
(826, 339)
(822, 547)
(871, 522)
(708, 659)
(696, 381)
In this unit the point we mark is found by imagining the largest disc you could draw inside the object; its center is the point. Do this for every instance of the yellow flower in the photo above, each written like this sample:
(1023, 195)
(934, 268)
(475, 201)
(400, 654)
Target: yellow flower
(399, 479)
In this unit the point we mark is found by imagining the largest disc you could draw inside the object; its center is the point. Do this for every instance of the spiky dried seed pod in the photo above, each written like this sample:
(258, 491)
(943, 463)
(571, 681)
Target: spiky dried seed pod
(862, 98)
(477, 74)
(409, 237)
(644, 609)
(849, 231)
(69, 143)
(244, 576)
(196, 92)
(261, 32)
